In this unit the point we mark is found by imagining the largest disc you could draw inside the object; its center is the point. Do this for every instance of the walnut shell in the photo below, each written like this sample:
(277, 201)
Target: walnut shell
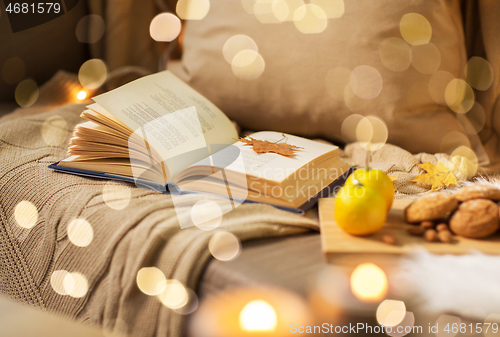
(431, 207)
(475, 219)
(477, 192)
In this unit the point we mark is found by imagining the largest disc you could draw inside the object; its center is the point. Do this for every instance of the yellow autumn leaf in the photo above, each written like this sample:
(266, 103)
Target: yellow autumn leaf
(439, 176)
(394, 177)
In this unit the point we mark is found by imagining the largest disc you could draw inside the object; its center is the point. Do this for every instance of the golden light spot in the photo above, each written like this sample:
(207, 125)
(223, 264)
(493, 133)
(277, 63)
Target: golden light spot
(426, 58)
(151, 281)
(464, 163)
(80, 233)
(191, 304)
(26, 93)
(479, 73)
(292, 6)
(82, 94)
(248, 5)
(116, 196)
(395, 54)
(489, 321)
(206, 214)
(335, 82)
(349, 126)
(280, 10)
(90, 29)
(452, 140)
(369, 282)
(403, 328)
(26, 214)
(258, 315)
(192, 9)
(437, 85)
(447, 320)
(415, 29)
(175, 295)
(310, 19)
(248, 65)
(263, 11)
(474, 120)
(366, 82)
(55, 130)
(371, 133)
(459, 96)
(352, 101)
(92, 74)
(57, 281)
(417, 94)
(237, 43)
(332, 8)
(75, 285)
(13, 70)
(165, 27)
(390, 312)
(224, 246)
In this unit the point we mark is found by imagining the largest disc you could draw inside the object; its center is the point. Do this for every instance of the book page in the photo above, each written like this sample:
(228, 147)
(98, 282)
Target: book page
(178, 122)
(269, 166)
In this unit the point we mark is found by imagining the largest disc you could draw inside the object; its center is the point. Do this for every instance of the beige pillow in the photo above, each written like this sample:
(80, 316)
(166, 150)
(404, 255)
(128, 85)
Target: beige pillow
(367, 61)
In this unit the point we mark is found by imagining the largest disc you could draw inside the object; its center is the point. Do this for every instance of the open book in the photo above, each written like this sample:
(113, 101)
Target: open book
(159, 132)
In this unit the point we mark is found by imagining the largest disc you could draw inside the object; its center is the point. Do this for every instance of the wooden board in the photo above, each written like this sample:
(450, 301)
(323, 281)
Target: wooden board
(335, 240)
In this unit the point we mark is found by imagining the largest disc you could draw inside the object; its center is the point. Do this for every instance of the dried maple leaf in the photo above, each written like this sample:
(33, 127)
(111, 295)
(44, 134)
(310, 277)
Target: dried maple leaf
(394, 177)
(438, 175)
(264, 146)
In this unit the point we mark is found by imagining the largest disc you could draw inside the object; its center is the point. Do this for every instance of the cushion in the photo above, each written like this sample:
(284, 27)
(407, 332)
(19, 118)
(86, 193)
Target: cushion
(39, 52)
(388, 58)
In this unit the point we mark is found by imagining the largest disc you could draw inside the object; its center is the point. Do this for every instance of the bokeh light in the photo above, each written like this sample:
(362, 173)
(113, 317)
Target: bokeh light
(82, 94)
(75, 285)
(55, 130)
(479, 73)
(405, 327)
(332, 8)
(366, 82)
(459, 96)
(248, 65)
(353, 101)
(415, 29)
(165, 27)
(116, 196)
(92, 74)
(192, 9)
(206, 214)
(26, 93)
(270, 11)
(437, 85)
(57, 281)
(248, 5)
(80, 232)
(369, 282)
(426, 58)
(224, 246)
(452, 140)
(293, 5)
(474, 120)
(151, 281)
(395, 54)
(447, 320)
(336, 80)
(175, 295)
(258, 315)
(371, 133)
(90, 29)
(391, 312)
(237, 43)
(348, 128)
(310, 19)
(190, 305)
(13, 70)
(465, 163)
(25, 214)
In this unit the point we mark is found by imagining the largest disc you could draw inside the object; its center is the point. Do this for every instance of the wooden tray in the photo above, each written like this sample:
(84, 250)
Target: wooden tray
(335, 240)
